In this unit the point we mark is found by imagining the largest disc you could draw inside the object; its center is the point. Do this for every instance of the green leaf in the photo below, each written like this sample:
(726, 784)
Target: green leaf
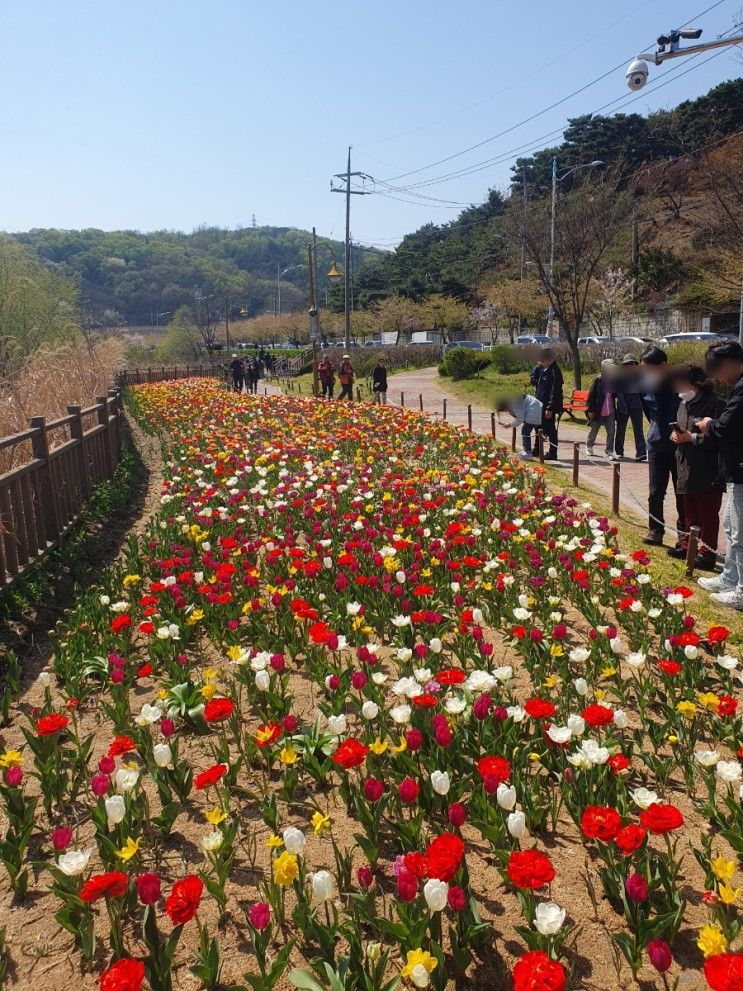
(306, 982)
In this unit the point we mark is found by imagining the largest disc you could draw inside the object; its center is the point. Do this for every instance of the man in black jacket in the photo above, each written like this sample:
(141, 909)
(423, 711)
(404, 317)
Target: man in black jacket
(549, 393)
(725, 363)
(661, 404)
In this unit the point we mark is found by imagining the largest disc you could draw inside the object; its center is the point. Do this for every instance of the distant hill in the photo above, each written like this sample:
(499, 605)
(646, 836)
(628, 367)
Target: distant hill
(142, 278)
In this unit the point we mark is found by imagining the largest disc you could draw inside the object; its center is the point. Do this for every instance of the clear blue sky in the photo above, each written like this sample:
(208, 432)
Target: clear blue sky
(152, 114)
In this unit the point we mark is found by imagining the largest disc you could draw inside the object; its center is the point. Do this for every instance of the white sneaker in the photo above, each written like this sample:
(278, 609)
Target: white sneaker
(526, 456)
(713, 583)
(733, 599)
(611, 456)
(589, 452)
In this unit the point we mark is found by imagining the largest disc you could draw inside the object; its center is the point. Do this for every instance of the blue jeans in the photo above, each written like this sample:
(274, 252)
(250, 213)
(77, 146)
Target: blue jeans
(732, 524)
(526, 436)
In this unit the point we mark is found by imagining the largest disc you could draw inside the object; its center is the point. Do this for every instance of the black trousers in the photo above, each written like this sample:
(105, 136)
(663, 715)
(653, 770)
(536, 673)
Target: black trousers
(549, 429)
(661, 470)
(621, 420)
(237, 382)
(346, 391)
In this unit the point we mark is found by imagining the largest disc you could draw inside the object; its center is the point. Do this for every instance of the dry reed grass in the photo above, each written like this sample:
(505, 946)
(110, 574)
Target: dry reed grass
(51, 379)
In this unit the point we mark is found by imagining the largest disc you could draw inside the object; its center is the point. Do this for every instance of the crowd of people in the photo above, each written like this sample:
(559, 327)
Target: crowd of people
(694, 442)
(327, 372)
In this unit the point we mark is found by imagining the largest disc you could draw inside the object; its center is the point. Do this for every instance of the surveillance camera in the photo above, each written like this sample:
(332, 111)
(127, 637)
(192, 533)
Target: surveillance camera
(312, 311)
(637, 74)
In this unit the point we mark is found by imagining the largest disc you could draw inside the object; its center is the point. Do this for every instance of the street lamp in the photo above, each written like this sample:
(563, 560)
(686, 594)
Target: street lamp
(553, 212)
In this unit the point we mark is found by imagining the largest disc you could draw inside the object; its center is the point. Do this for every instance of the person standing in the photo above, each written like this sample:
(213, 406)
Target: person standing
(379, 383)
(345, 376)
(236, 367)
(660, 403)
(326, 374)
(251, 375)
(527, 428)
(549, 394)
(601, 409)
(725, 363)
(629, 410)
(698, 469)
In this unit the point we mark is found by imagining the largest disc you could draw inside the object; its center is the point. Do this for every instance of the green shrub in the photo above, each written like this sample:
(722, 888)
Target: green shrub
(461, 363)
(507, 360)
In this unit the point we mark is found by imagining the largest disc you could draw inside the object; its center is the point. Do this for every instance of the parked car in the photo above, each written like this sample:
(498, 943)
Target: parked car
(640, 341)
(524, 340)
(470, 345)
(597, 339)
(699, 335)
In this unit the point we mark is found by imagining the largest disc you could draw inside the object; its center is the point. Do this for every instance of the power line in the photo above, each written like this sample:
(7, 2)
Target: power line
(535, 116)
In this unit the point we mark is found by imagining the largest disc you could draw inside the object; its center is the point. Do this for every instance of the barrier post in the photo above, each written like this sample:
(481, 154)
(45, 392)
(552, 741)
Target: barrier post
(615, 473)
(576, 462)
(402, 400)
(420, 401)
(540, 446)
(469, 417)
(492, 425)
(444, 410)
(692, 549)
(513, 438)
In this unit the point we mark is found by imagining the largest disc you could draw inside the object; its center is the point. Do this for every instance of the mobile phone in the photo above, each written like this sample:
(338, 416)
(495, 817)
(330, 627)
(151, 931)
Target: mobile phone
(674, 426)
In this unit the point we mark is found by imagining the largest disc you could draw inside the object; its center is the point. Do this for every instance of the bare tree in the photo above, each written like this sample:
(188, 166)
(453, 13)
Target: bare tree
(206, 319)
(610, 299)
(590, 221)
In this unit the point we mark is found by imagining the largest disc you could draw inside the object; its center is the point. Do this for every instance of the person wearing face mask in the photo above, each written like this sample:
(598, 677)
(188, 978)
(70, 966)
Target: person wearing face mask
(698, 479)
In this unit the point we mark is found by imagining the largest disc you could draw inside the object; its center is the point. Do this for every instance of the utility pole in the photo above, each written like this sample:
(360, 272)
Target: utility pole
(227, 322)
(553, 212)
(523, 238)
(635, 254)
(346, 178)
(278, 284)
(314, 280)
(740, 318)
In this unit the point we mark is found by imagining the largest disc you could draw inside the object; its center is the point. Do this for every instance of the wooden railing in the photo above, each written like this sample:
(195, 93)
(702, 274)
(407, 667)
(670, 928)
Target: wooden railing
(137, 376)
(61, 461)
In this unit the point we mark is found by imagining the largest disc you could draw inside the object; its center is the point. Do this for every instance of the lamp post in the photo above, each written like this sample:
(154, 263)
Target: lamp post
(553, 214)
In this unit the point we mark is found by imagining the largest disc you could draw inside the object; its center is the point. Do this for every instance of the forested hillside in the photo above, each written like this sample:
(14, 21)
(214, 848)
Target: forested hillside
(141, 279)
(679, 162)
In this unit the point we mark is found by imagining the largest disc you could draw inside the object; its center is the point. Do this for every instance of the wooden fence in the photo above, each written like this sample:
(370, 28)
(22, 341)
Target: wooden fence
(62, 460)
(137, 376)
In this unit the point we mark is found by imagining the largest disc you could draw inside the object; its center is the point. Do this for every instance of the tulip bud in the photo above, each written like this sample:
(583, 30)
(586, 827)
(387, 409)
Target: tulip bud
(457, 814)
(659, 953)
(259, 916)
(148, 888)
(516, 824)
(322, 886)
(637, 888)
(435, 892)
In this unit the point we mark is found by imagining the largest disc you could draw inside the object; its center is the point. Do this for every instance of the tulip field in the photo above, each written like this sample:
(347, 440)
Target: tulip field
(367, 707)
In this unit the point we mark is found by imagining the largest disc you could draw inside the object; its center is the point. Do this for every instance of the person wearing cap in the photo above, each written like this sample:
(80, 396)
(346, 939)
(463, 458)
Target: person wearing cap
(379, 383)
(601, 408)
(549, 394)
(629, 409)
(236, 367)
(725, 363)
(345, 376)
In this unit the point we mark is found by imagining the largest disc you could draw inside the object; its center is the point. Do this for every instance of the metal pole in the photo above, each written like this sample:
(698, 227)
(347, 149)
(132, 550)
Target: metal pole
(347, 268)
(492, 425)
(278, 285)
(576, 463)
(227, 322)
(314, 280)
(740, 318)
(553, 212)
(315, 377)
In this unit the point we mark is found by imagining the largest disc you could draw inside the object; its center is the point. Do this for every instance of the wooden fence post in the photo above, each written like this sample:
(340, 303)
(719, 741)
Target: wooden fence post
(76, 432)
(615, 474)
(469, 417)
(402, 400)
(576, 462)
(102, 414)
(492, 425)
(513, 438)
(358, 393)
(47, 489)
(692, 549)
(444, 411)
(540, 446)
(420, 401)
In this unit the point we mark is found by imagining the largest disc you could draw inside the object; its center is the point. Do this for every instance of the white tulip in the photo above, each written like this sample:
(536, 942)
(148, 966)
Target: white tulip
(262, 681)
(422, 675)
(620, 719)
(729, 770)
(126, 778)
(436, 893)
(115, 809)
(74, 862)
(212, 841)
(436, 645)
(644, 798)
(636, 659)
(293, 840)
(401, 714)
(440, 782)
(576, 724)
(353, 608)
(337, 725)
(369, 710)
(322, 886)
(727, 662)
(506, 797)
(581, 685)
(420, 976)
(559, 734)
(691, 652)
(149, 714)
(706, 758)
(548, 918)
(503, 673)
(516, 824)
(162, 754)
(45, 679)
(404, 654)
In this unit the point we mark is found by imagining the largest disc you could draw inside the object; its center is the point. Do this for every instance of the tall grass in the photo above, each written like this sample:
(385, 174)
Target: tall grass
(49, 380)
